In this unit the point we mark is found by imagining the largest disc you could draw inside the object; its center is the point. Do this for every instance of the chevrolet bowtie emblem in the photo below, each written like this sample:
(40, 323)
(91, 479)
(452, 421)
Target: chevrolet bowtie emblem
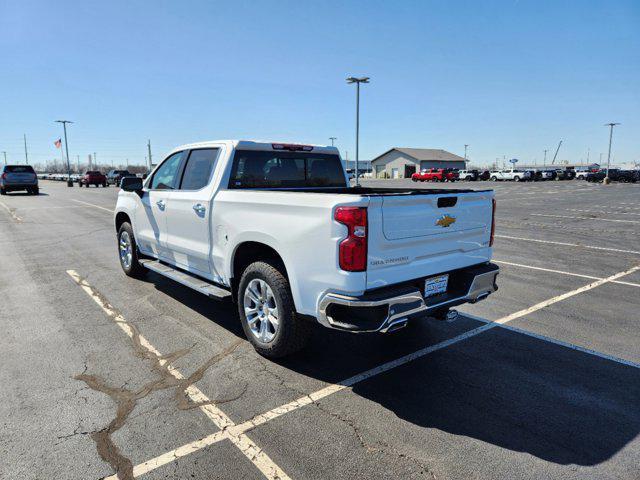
(446, 220)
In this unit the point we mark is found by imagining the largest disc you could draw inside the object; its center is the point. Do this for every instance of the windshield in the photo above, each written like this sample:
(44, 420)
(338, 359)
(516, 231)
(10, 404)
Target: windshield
(264, 169)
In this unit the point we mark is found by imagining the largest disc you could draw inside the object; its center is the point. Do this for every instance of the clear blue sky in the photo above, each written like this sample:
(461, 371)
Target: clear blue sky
(509, 78)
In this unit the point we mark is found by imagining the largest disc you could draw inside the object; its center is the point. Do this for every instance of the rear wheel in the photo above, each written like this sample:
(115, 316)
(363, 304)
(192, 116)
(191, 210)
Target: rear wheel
(516, 178)
(494, 179)
(3, 191)
(267, 312)
(128, 252)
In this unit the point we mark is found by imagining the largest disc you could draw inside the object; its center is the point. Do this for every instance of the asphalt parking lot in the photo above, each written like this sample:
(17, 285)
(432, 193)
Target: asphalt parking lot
(103, 374)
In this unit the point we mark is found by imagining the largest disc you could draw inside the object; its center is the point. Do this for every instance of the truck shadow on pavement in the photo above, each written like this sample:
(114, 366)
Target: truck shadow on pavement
(502, 387)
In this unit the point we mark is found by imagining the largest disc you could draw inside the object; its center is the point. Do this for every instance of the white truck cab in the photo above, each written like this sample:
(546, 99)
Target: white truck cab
(277, 228)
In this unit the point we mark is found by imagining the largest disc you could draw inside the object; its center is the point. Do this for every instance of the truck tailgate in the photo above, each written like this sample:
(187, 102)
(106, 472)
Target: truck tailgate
(416, 236)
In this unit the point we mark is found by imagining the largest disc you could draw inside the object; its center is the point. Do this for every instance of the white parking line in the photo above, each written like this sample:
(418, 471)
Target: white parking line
(584, 218)
(590, 277)
(385, 367)
(250, 450)
(93, 205)
(11, 212)
(599, 212)
(635, 252)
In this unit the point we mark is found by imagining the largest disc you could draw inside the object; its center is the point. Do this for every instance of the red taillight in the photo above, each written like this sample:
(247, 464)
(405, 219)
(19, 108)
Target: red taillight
(4, 176)
(493, 220)
(353, 249)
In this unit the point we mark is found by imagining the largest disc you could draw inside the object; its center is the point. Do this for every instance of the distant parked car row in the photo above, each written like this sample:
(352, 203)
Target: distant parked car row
(92, 177)
(524, 175)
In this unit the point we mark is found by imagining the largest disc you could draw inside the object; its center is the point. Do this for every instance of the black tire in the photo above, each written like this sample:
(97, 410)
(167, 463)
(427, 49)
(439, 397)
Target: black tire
(293, 332)
(105, 184)
(134, 269)
(36, 191)
(516, 178)
(494, 179)
(79, 184)
(3, 191)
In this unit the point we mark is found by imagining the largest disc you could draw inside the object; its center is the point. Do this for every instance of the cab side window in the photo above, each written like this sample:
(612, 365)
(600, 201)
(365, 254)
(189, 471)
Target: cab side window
(166, 177)
(199, 168)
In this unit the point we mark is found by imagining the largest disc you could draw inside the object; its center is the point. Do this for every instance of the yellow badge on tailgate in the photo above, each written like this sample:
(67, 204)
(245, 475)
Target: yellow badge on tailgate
(446, 220)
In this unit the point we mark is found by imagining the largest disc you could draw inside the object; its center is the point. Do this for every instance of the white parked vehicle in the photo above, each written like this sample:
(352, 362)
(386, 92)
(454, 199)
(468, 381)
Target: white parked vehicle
(277, 228)
(511, 174)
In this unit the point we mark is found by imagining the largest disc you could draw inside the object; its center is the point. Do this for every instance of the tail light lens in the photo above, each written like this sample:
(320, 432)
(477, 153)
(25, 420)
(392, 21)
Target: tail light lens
(353, 249)
(493, 221)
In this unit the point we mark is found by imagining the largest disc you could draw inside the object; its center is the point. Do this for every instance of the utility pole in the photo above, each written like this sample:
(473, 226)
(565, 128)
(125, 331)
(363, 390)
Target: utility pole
(465, 155)
(95, 162)
(556, 154)
(610, 125)
(26, 155)
(544, 162)
(358, 81)
(66, 146)
(5, 157)
(588, 153)
(332, 140)
(78, 160)
(149, 150)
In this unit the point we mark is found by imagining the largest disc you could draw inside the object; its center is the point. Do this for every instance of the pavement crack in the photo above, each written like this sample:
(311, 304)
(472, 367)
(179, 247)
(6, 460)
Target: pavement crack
(126, 398)
(379, 447)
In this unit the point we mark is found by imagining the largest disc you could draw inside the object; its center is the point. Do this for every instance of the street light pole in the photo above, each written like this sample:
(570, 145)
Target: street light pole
(332, 140)
(26, 155)
(66, 147)
(544, 162)
(465, 155)
(610, 125)
(5, 157)
(358, 81)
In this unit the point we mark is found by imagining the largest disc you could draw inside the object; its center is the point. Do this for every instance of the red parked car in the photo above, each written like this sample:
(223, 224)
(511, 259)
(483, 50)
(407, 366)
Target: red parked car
(435, 175)
(93, 177)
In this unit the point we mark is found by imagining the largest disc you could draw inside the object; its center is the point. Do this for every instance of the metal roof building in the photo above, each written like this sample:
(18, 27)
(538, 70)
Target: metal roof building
(401, 162)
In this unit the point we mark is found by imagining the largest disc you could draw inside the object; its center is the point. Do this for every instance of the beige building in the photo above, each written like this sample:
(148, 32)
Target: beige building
(403, 162)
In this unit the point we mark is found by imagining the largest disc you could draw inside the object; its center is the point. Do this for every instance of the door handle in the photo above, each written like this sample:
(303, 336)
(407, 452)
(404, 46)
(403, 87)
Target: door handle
(199, 208)
(160, 204)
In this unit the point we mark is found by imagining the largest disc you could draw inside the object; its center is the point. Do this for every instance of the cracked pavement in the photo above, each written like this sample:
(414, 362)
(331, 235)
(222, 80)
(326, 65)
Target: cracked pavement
(80, 399)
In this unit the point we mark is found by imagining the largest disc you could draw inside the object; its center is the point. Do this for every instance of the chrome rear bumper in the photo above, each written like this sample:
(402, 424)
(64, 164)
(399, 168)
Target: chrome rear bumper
(397, 306)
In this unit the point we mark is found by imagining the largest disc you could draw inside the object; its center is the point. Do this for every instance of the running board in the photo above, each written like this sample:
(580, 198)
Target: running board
(186, 279)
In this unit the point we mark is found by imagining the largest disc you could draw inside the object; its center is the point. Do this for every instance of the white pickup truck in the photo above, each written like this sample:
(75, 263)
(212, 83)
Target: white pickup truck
(277, 228)
(511, 174)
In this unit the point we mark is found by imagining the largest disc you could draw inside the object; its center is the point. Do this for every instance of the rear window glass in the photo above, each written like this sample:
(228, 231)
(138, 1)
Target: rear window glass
(19, 169)
(199, 167)
(277, 169)
(93, 172)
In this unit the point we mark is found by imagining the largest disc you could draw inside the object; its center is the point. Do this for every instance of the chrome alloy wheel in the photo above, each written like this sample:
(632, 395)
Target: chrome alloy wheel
(126, 255)
(261, 310)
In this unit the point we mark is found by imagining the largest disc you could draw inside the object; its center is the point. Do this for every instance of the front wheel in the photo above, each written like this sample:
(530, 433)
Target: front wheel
(494, 179)
(516, 178)
(3, 191)
(128, 252)
(267, 313)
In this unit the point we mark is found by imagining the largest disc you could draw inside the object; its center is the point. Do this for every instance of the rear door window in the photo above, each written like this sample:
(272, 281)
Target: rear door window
(199, 168)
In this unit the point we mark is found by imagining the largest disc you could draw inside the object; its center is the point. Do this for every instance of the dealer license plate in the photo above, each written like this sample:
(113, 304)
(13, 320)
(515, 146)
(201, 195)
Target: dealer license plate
(435, 285)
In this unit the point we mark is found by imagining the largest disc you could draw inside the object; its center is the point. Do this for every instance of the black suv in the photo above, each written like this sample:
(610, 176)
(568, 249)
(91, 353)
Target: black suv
(114, 176)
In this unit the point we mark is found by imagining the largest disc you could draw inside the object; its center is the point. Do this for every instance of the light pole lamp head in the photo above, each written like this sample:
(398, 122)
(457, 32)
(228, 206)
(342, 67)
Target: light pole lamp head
(358, 80)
